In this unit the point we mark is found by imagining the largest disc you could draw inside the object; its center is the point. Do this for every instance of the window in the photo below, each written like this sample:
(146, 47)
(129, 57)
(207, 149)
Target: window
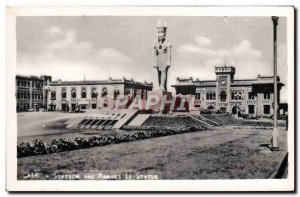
(251, 109)
(127, 91)
(64, 107)
(63, 93)
(38, 85)
(73, 107)
(266, 109)
(94, 105)
(73, 93)
(223, 96)
(83, 93)
(267, 95)
(236, 95)
(94, 93)
(210, 96)
(104, 92)
(251, 95)
(197, 96)
(53, 95)
(142, 93)
(116, 93)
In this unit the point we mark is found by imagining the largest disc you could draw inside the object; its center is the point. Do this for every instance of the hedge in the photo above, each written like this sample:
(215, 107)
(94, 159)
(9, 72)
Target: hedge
(38, 147)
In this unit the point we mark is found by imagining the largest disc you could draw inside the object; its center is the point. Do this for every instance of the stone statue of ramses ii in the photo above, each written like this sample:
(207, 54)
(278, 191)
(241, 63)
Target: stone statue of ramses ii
(162, 56)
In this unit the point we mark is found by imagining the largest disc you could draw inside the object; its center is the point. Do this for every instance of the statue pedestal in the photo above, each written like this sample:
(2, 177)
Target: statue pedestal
(163, 96)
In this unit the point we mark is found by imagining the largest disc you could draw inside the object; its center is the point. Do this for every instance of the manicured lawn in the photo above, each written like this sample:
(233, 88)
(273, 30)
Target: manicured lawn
(226, 119)
(211, 154)
(172, 121)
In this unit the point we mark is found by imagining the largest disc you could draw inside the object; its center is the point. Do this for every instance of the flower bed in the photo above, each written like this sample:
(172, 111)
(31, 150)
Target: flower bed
(38, 147)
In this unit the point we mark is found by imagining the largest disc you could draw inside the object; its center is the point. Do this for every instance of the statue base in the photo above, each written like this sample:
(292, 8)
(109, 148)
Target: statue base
(163, 96)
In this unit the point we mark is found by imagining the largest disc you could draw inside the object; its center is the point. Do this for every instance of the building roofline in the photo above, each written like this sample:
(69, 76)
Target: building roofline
(188, 81)
(29, 77)
(101, 82)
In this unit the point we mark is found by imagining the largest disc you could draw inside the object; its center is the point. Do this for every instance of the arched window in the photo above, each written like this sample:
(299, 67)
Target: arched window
(63, 93)
(223, 96)
(53, 95)
(94, 93)
(83, 93)
(73, 93)
(104, 92)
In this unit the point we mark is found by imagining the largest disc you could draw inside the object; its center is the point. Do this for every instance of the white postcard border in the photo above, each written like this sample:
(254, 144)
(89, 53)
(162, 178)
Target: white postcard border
(12, 184)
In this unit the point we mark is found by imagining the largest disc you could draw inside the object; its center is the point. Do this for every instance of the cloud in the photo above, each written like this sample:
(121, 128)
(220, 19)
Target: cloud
(245, 50)
(201, 40)
(68, 58)
(113, 54)
(67, 41)
(190, 48)
(54, 30)
(198, 61)
(206, 55)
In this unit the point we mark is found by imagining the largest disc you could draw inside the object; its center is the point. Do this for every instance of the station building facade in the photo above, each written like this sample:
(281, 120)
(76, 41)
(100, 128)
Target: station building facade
(30, 92)
(230, 95)
(70, 96)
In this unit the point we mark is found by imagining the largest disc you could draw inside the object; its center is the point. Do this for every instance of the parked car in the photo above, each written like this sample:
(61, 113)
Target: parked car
(77, 110)
(82, 110)
(31, 110)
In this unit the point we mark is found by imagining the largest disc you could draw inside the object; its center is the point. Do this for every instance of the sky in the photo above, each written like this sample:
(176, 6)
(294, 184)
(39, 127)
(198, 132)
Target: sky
(99, 47)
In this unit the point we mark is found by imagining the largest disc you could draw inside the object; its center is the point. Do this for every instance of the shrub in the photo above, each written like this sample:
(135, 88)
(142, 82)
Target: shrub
(38, 147)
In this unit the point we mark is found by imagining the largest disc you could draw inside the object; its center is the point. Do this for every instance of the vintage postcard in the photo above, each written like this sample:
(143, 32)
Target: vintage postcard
(150, 99)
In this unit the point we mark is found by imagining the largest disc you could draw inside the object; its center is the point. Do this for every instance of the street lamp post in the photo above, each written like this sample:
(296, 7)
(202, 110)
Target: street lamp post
(275, 134)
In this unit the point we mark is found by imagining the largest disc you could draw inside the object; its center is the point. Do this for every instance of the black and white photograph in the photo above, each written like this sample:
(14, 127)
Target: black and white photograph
(133, 98)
